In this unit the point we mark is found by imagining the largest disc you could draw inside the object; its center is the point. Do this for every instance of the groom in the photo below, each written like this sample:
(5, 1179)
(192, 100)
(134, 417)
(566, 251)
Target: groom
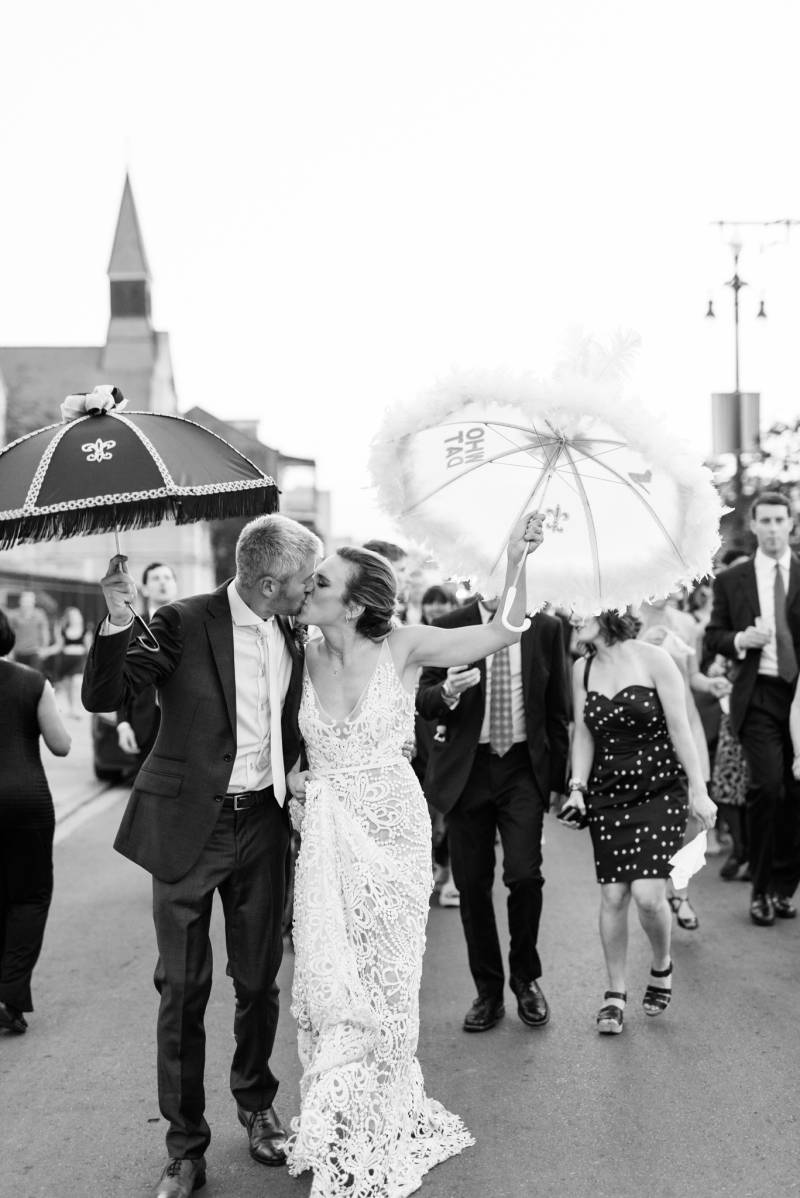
(207, 813)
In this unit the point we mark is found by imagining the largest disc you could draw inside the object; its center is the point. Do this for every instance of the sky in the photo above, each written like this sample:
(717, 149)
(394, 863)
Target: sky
(343, 202)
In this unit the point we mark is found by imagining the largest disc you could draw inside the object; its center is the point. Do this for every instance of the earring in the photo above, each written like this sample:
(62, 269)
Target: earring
(348, 615)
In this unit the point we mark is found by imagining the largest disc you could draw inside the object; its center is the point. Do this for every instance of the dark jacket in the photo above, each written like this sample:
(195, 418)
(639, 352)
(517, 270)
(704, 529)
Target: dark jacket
(143, 714)
(735, 608)
(174, 804)
(546, 696)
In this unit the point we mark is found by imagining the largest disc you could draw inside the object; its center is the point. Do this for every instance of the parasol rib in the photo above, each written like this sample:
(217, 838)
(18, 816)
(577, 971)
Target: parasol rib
(587, 511)
(497, 457)
(545, 475)
(544, 443)
(526, 428)
(648, 506)
(158, 461)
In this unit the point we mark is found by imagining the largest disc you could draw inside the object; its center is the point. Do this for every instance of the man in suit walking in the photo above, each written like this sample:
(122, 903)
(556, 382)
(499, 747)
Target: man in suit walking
(755, 620)
(207, 813)
(502, 754)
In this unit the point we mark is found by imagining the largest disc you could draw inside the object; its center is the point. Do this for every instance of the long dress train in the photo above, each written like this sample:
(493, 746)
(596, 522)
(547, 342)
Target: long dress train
(363, 885)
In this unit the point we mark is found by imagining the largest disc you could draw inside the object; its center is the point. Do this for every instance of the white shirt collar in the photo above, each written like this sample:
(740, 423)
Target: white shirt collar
(765, 563)
(241, 614)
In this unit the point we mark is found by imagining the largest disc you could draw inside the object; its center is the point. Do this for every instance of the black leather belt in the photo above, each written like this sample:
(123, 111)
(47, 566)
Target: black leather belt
(487, 748)
(244, 799)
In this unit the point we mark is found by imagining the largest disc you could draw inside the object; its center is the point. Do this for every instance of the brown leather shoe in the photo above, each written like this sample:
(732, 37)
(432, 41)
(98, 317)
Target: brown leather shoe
(181, 1176)
(531, 1003)
(266, 1134)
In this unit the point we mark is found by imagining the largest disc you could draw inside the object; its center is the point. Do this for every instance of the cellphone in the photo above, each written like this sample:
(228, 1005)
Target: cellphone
(572, 817)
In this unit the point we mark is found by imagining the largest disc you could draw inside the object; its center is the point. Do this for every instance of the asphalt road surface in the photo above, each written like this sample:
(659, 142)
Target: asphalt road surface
(700, 1101)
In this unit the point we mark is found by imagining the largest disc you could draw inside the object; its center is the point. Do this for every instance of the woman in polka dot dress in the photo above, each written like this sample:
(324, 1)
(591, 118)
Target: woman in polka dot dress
(634, 766)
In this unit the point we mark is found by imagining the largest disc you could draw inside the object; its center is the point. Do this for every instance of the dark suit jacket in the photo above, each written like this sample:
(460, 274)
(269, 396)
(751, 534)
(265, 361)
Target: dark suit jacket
(546, 712)
(735, 608)
(143, 714)
(173, 806)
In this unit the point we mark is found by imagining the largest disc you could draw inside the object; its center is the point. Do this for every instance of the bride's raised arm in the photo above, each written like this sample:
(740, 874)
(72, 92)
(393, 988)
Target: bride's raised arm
(426, 646)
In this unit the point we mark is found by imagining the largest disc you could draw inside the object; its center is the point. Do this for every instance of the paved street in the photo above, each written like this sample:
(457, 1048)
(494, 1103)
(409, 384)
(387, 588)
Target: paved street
(699, 1101)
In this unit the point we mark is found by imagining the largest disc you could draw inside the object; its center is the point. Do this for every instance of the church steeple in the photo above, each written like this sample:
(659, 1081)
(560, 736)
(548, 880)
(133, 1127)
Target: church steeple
(130, 344)
(128, 271)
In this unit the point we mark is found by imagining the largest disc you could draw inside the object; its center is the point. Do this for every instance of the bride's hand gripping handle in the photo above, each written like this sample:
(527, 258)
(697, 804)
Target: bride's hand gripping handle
(526, 537)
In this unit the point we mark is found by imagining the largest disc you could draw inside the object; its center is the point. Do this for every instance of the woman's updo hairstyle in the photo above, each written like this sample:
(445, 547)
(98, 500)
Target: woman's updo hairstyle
(618, 626)
(373, 586)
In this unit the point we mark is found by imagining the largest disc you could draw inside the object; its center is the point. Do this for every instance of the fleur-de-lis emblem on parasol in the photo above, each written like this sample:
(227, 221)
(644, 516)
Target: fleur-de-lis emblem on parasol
(97, 451)
(556, 516)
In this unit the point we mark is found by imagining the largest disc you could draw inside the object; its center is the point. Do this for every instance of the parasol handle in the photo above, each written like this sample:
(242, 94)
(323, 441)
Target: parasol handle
(147, 639)
(511, 596)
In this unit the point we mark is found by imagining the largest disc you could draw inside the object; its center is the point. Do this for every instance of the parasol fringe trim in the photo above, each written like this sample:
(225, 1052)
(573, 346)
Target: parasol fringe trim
(58, 526)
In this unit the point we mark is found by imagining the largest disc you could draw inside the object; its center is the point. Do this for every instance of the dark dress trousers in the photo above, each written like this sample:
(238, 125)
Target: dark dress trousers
(175, 826)
(482, 794)
(759, 714)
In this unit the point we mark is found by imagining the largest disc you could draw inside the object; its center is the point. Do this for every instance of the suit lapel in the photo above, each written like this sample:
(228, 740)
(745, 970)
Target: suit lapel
(472, 612)
(750, 587)
(527, 660)
(219, 628)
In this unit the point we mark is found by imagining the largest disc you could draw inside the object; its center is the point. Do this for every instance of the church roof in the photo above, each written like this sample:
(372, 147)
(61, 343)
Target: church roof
(128, 259)
(39, 378)
(263, 456)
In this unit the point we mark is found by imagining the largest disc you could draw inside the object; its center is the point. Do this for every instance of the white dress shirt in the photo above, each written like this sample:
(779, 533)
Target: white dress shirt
(765, 581)
(517, 697)
(253, 639)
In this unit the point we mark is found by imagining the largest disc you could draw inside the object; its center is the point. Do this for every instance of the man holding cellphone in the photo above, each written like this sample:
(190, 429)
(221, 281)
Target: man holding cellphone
(502, 755)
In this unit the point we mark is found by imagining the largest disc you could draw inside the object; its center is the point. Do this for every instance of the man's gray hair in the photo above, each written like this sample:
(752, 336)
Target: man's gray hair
(273, 545)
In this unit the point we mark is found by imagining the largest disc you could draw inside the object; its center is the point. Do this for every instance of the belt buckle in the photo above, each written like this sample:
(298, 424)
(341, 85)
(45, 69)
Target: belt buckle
(244, 795)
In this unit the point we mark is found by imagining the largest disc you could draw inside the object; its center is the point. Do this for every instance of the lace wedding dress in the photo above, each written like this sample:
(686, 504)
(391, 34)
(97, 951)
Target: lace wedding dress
(362, 889)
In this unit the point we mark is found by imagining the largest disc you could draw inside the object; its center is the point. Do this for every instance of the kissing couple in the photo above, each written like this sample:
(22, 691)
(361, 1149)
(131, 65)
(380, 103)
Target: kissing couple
(244, 703)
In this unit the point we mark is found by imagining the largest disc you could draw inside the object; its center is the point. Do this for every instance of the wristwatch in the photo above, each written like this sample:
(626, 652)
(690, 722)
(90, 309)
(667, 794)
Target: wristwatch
(576, 784)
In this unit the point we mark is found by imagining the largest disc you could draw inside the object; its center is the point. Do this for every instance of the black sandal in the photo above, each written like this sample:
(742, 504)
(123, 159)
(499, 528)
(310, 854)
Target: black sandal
(657, 998)
(690, 923)
(609, 1019)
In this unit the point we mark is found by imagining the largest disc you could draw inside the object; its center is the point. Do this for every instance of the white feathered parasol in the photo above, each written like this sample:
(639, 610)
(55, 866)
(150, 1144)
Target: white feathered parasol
(630, 511)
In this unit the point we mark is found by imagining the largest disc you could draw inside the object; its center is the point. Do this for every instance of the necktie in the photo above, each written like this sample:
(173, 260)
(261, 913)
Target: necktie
(270, 642)
(787, 659)
(501, 731)
(274, 647)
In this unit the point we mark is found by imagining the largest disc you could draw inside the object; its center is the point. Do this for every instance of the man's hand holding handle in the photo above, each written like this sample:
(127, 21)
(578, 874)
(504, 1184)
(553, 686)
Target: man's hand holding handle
(119, 591)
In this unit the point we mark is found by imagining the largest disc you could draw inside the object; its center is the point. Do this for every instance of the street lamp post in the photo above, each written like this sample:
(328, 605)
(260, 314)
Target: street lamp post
(736, 284)
(742, 408)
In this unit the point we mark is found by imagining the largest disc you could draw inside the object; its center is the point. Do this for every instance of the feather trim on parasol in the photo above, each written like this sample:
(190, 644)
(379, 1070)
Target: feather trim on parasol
(633, 513)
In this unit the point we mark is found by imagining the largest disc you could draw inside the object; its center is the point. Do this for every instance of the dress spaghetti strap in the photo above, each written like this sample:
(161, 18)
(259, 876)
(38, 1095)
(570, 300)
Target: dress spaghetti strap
(586, 670)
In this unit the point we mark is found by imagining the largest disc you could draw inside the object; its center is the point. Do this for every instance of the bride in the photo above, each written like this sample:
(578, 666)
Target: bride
(366, 1127)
